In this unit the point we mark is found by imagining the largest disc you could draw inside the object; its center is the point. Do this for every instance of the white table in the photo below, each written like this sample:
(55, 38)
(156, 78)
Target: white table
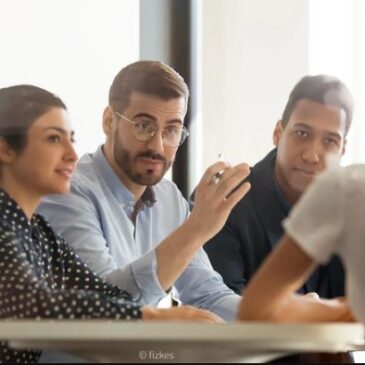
(109, 341)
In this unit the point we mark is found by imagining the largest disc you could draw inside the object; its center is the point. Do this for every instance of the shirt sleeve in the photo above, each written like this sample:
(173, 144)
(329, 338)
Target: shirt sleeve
(316, 222)
(199, 285)
(85, 235)
(24, 294)
(80, 277)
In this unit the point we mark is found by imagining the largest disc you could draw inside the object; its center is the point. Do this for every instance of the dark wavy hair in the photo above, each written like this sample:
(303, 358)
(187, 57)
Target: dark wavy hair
(20, 107)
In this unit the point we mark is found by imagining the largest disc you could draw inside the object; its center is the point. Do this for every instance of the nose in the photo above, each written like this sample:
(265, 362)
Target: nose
(313, 152)
(156, 143)
(70, 152)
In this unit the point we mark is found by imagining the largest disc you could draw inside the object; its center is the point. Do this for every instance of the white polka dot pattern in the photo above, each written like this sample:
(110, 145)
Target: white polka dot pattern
(42, 278)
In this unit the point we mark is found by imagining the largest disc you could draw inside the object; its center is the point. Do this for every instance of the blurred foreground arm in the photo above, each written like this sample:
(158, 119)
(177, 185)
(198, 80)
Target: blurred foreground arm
(270, 296)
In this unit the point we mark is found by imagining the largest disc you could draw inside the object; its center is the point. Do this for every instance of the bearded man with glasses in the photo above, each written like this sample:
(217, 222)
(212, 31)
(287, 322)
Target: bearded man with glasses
(131, 225)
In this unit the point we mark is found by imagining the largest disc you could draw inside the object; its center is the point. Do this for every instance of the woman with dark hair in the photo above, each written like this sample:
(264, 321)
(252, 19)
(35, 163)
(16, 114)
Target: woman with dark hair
(40, 276)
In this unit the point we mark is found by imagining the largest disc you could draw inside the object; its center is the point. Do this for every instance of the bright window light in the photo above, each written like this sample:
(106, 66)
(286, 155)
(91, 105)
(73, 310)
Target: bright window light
(72, 48)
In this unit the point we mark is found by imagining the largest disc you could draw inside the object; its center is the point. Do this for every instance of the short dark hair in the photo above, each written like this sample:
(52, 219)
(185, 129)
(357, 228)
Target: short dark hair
(147, 77)
(20, 107)
(323, 89)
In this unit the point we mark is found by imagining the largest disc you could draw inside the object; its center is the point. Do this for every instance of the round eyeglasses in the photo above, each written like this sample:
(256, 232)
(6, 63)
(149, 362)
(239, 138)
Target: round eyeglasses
(144, 130)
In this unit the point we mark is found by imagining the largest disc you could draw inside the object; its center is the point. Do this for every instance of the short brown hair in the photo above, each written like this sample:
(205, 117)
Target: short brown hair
(147, 77)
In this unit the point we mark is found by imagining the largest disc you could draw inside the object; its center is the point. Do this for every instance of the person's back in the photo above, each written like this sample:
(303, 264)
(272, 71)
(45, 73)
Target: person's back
(327, 220)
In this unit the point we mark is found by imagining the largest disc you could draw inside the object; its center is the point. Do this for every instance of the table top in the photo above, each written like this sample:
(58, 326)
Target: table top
(102, 340)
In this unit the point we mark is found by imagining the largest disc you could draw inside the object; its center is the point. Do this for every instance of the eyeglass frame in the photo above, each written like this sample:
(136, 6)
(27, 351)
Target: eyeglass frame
(183, 129)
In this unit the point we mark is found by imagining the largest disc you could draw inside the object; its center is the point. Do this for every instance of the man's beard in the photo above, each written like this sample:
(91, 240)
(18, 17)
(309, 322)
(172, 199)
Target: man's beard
(126, 163)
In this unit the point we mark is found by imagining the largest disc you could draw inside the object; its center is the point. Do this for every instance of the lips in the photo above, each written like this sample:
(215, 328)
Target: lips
(67, 171)
(306, 172)
(151, 161)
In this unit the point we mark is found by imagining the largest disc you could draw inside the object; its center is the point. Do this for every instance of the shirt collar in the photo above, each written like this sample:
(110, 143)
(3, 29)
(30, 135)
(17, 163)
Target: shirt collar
(120, 191)
(12, 213)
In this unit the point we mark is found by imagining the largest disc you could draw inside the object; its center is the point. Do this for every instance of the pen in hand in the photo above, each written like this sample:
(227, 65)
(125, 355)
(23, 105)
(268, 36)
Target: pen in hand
(218, 175)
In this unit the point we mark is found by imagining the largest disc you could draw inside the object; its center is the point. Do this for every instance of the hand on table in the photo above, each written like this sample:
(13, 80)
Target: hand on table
(182, 313)
(338, 308)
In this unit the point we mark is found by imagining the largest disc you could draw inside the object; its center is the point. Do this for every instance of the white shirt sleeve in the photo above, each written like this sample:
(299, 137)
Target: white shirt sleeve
(316, 222)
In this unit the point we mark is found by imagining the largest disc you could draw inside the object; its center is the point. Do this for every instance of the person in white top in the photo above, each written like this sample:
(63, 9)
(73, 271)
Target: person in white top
(327, 220)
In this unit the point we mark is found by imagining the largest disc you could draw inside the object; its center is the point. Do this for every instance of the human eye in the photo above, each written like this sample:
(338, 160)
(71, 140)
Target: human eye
(331, 141)
(54, 138)
(144, 126)
(301, 133)
(173, 131)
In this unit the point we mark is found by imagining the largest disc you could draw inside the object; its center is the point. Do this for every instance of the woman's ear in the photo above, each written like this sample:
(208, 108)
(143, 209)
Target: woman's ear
(7, 154)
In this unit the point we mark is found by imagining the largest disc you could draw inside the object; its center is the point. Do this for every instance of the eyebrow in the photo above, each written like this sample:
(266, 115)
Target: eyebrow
(329, 133)
(61, 130)
(302, 125)
(333, 134)
(146, 115)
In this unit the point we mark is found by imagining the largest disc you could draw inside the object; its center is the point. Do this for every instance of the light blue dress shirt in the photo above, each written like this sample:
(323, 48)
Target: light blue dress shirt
(95, 218)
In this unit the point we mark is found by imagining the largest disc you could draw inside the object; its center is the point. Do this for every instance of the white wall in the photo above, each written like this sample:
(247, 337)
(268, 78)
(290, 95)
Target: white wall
(253, 52)
(72, 48)
(338, 48)
(155, 29)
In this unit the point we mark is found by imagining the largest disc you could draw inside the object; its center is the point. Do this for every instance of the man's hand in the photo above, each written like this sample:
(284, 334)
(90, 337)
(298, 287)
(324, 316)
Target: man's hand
(214, 201)
(183, 313)
(219, 190)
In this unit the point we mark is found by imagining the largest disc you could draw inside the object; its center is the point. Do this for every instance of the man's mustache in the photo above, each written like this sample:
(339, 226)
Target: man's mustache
(153, 156)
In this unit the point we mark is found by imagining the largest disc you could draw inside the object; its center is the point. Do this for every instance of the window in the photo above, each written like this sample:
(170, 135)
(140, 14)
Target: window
(72, 48)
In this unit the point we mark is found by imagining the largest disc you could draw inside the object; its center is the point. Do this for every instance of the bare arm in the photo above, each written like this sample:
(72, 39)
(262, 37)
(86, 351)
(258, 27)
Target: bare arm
(270, 296)
(210, 212)
(183, 313)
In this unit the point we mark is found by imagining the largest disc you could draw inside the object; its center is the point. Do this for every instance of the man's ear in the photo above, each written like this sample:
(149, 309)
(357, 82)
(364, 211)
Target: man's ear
(108, 121)
(278, 131)
(7, 154)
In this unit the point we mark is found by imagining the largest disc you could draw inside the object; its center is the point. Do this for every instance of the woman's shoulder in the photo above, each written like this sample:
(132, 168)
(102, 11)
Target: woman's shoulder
(41, 223)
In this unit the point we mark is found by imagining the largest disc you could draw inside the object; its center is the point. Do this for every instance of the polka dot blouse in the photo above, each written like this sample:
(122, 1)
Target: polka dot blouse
(41, 277)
